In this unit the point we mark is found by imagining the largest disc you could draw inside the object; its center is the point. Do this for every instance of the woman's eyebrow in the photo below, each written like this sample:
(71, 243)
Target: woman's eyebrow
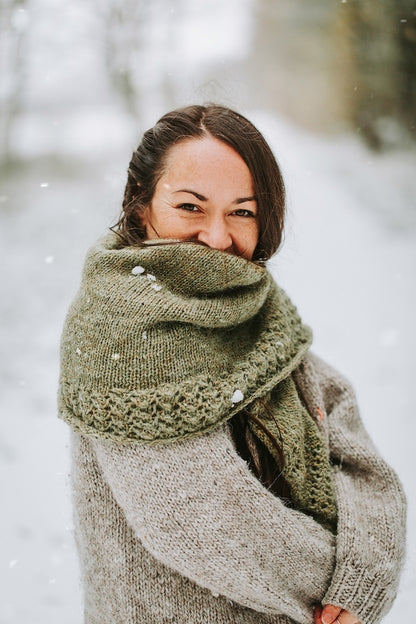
(240, 200)
(197, 195)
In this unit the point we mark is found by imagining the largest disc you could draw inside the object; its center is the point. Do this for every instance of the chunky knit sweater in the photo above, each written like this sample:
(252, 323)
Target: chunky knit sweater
(167, 341)
(182, 531)
(185, 533)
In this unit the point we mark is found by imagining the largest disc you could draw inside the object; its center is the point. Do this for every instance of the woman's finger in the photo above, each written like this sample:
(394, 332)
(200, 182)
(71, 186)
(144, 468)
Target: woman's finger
(345, 617)
(330, 613)
(317, 614)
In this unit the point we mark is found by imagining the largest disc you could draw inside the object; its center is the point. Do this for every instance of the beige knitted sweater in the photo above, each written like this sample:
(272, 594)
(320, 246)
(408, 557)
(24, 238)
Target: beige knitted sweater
(185, 533)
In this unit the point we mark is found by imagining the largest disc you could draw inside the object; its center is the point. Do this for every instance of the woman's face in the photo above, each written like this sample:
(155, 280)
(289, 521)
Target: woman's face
(205, 194)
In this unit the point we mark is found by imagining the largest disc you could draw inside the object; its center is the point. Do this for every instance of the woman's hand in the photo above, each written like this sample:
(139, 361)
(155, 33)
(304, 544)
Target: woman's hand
(329, 614)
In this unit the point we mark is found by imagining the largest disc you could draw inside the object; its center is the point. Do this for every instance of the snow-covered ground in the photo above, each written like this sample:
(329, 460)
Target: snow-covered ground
(348, 261)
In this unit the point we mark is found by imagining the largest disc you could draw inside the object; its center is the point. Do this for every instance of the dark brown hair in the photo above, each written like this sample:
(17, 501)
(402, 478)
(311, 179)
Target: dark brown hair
(148, 161)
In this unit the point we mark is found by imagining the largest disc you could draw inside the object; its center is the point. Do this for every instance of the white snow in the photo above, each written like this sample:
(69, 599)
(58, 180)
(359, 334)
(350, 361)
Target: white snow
(348, 262)
(237, 397)
(138, 270)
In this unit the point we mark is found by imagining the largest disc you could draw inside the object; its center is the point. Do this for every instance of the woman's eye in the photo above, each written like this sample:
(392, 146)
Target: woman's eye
(241, 212)
(189, 207)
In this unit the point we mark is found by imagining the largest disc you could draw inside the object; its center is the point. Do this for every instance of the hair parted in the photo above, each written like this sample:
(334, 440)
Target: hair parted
(148, 161)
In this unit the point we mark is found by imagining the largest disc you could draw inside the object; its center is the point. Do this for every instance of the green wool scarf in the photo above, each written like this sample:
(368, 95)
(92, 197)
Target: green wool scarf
(168, 340)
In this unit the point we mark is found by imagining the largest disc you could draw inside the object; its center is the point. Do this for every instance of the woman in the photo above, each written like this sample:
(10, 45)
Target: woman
(221, 472)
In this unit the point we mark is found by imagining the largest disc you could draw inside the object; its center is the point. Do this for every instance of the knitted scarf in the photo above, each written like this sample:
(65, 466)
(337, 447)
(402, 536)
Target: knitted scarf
(169, 340)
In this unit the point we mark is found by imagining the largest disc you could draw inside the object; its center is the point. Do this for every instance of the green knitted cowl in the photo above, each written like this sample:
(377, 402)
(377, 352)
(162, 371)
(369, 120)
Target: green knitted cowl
(169, 340)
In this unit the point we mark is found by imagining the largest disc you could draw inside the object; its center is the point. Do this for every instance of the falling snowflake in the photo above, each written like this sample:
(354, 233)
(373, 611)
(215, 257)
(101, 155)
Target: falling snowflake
(115, 356)
(237, 397)
(138, 270)
(78, 351)
(156, 287)
(151, 277)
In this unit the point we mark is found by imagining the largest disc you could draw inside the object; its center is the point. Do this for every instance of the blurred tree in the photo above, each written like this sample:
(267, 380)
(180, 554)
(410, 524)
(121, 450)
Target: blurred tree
(138, 40)
(13, 27)
(292, 66)
(328, 65)
(406, 37)
(381, 37)
(124, 22)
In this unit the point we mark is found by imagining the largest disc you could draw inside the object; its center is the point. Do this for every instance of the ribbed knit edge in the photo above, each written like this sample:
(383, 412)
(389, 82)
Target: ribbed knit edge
(360, 592)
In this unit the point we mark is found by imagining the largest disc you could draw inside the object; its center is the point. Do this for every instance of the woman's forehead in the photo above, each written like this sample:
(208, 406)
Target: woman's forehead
(203, 160)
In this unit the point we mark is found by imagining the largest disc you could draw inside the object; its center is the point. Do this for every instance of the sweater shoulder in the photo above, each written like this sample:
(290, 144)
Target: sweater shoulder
(321, 386)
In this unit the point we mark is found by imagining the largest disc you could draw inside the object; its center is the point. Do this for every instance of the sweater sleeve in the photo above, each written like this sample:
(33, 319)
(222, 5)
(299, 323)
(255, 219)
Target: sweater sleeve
(370, 541)
(197, 508)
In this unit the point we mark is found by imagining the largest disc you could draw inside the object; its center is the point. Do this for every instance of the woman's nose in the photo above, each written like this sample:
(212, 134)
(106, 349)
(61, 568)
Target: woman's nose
(216, 234)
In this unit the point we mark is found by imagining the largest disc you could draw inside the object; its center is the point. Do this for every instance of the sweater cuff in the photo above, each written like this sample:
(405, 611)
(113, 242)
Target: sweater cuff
(363, 596)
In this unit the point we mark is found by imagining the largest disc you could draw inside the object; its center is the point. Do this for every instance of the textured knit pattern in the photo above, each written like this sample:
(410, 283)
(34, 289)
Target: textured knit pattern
(306, 467)
(162, 346)
(168, 341)
(184, 532)
(166, 364)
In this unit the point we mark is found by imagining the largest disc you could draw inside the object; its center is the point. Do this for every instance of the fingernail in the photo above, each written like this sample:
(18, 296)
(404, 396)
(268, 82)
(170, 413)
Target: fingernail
(326, 619)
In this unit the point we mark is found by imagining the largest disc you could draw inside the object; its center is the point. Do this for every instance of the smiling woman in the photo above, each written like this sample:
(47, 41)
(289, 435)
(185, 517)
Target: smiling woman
(218, 157)
(224, 215)
(221, 472)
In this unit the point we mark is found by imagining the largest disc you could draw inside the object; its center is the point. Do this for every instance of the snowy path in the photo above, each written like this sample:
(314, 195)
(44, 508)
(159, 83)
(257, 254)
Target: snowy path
(348, 262)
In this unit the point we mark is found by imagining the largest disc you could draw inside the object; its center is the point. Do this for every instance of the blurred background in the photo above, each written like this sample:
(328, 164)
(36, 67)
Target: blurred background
(332, 87)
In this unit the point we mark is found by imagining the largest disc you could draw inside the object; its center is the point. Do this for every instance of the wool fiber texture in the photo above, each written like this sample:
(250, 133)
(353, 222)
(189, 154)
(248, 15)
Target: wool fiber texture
(162, 346)
(168, 341)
